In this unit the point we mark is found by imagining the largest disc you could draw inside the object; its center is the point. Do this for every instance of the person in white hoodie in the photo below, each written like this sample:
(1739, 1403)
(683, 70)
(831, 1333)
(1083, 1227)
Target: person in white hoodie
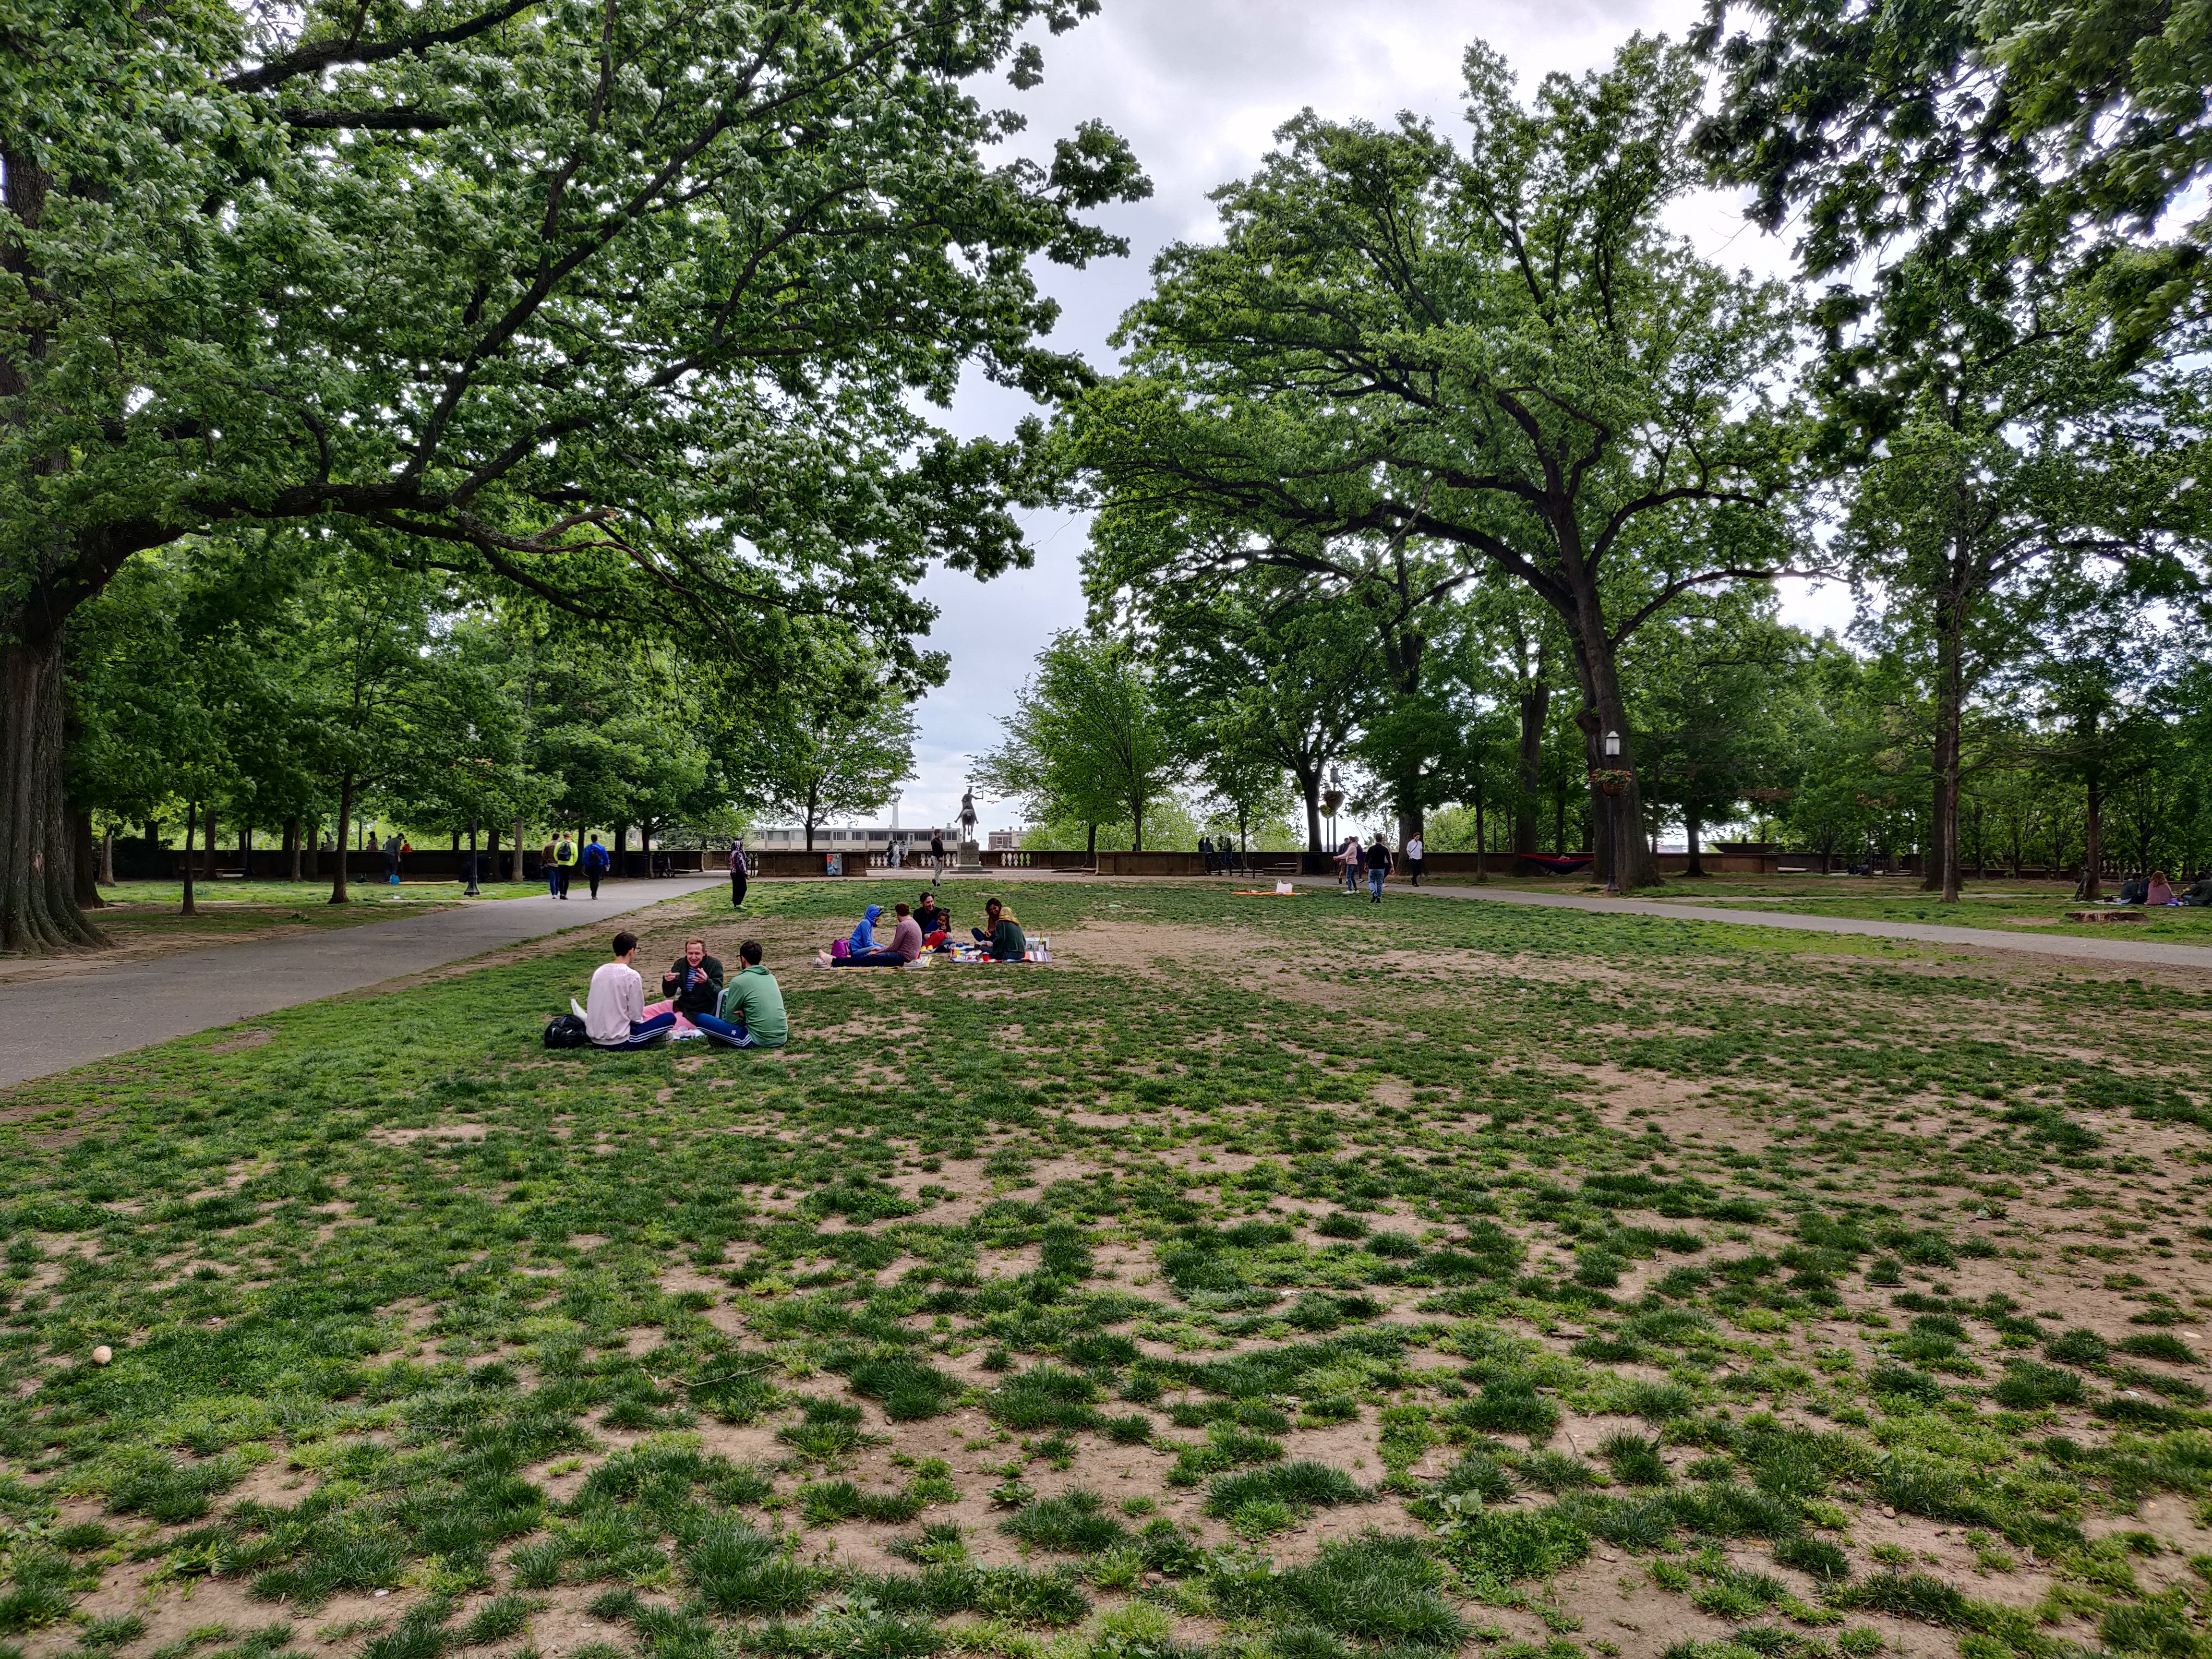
(614, 1011)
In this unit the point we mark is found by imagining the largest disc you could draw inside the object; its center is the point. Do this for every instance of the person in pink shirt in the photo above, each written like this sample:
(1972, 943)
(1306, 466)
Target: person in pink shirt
(905, 944)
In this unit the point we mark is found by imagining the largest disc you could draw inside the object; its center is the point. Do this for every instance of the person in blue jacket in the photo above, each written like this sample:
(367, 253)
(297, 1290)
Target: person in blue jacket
(863, 936)
(595, 865)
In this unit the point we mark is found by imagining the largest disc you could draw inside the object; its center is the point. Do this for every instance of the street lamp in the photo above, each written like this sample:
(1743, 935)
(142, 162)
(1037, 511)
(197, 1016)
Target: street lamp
(1612, 820)
(472, 891)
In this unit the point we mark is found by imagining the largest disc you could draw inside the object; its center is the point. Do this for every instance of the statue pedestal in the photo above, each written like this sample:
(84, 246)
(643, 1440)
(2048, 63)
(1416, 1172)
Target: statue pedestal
(971, 859)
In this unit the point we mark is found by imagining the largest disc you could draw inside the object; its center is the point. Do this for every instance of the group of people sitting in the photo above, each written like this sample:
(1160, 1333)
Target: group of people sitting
(924, 926)
(2157, 889)
(745, 1013)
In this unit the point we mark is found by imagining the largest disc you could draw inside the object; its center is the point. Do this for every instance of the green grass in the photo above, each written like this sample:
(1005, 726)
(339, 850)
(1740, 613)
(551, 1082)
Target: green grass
(405, 1271)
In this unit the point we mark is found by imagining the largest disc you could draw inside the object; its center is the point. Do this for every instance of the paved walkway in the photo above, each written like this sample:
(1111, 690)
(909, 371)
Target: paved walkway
(2137, 952)
(49, 1025)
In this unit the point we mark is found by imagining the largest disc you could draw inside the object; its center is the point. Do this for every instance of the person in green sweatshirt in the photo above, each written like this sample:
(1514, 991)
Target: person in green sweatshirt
(1005, 937)
(752, 1008)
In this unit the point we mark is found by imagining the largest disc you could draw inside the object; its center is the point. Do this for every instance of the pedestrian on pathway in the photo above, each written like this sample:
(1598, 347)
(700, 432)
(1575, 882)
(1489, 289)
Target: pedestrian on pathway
(1414, 851)
(1378, 868)
(564, 865)
(936, 856)
(614, 1008)
(1349, 857)
(595, 865)
(1205, 853)
(738, 871)
(552, 870)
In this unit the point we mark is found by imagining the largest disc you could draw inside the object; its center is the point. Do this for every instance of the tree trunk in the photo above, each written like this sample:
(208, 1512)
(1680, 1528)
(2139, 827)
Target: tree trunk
(1943, 877)
(1309, 787)
(1691, 827)
(108, 858)
(2092, 851)
(1536, 710)
(293, 829)
(338, 895)
(39, 911)
(1482, 841)
(207, 844)
(517, 876)
(1629, 863)
(1091, 847)
(314, 834)
(192, 823)
(245, 851)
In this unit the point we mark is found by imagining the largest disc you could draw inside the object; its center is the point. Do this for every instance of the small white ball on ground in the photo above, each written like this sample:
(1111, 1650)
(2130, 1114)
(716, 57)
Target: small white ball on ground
(102, 1354)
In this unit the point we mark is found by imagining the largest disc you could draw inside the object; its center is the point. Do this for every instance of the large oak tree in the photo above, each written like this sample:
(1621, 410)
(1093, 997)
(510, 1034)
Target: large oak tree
(1496, 351)
(634, 305)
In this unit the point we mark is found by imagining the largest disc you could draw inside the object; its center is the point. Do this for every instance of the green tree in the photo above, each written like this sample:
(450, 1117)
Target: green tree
(1086, 741)
(1972, 143)
(2036, 462)
(840, 744)
(636, 309)
(1714, 691)
(1269, 663)
(1498, 353)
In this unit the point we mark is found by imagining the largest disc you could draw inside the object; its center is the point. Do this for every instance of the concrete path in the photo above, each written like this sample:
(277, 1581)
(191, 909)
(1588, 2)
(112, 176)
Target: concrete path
(2134, 952)
(49, 1025)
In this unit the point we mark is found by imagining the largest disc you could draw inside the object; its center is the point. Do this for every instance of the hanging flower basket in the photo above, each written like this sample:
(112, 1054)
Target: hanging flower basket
(1607, 781)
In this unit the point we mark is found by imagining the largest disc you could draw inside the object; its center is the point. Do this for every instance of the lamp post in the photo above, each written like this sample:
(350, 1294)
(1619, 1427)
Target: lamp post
(1612, 819)
(472, 891)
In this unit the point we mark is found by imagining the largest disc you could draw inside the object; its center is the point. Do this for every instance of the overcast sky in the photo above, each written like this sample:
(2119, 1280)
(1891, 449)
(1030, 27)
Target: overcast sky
(1198, 87)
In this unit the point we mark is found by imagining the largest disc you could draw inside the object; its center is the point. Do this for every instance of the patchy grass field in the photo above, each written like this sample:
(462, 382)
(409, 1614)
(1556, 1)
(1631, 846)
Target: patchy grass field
(1281, 1281)
(142, 921)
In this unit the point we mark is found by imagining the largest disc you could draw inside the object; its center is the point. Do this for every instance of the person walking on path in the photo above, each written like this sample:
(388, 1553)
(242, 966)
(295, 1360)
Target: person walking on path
(1378, 868)
(1349, 857)
(564, 865)
(1414, 850)
(738, 871)
(595, 865)
(936, 856)
(551, 869)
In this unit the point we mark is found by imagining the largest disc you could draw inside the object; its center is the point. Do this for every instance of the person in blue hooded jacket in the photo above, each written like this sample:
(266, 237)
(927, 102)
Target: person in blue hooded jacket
(863, 936)
(862, 942)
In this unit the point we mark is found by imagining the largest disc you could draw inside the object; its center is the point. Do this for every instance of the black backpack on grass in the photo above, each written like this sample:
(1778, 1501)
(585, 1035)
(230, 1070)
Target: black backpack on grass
(566, 1032)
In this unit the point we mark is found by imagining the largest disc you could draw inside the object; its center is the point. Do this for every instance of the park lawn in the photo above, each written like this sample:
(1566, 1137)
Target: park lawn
(2013, 907)
(144, 918)
(316, 892)
(2034, 913)
(1294, 1279)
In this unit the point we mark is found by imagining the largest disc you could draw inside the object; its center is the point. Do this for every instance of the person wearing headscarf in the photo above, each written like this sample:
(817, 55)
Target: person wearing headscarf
(1005, 939)
(738, 871)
